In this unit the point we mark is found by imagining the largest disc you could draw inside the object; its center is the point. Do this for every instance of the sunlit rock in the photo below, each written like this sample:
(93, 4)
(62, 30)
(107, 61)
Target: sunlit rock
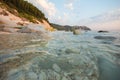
(76, 32)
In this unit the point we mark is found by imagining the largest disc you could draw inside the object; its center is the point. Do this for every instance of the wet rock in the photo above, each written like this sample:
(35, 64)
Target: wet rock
(106, 42)
(68, 51)
(117, 45)
(56, 68)
(76, 31)
(101, 31)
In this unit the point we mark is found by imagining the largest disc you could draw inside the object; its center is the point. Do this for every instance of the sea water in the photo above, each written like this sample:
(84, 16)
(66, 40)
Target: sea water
(105, 53)
(67, 57)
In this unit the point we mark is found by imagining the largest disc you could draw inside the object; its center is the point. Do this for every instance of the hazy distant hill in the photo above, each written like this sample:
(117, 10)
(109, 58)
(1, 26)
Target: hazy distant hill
(68, 27)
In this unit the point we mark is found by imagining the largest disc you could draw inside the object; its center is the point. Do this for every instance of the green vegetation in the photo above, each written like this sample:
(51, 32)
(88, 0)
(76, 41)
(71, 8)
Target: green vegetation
(26, 10)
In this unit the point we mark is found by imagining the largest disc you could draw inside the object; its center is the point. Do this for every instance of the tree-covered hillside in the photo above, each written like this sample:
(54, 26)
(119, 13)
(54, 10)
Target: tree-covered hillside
(26, 10)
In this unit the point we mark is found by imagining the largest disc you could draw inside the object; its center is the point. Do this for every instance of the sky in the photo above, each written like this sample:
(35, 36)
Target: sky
(76, 12)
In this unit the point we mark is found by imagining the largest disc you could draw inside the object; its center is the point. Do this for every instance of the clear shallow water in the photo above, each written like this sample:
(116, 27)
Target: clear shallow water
(104, 53)
(67, 57)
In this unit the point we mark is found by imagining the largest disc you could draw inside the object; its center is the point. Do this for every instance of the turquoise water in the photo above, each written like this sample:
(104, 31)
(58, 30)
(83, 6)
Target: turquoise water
(105, 53)
(67, 57)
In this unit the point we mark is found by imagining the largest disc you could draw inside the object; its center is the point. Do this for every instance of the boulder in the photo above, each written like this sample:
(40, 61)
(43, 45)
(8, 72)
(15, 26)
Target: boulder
(76, 31)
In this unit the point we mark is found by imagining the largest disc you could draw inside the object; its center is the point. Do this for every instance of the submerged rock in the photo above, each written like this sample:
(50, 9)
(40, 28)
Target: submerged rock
(31, 76)
(56, 68)
(111, 38)
(117, 45)
(72, 50)
(20, 40)
(42, 76)
(33, 29)
(101, 31)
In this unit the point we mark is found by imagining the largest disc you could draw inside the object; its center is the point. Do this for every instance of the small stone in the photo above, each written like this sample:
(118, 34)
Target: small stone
(56, 68)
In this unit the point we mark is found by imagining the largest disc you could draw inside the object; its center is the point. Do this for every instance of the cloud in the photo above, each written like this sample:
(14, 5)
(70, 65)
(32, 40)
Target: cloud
(69, 6)
(46, 6)
(107, 21)
(63, 19)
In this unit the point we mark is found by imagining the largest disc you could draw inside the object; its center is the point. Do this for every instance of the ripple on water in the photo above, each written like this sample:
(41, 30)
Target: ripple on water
(65, 57)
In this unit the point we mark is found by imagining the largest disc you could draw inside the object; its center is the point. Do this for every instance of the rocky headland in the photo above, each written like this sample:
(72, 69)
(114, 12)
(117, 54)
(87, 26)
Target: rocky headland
(69, 28)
